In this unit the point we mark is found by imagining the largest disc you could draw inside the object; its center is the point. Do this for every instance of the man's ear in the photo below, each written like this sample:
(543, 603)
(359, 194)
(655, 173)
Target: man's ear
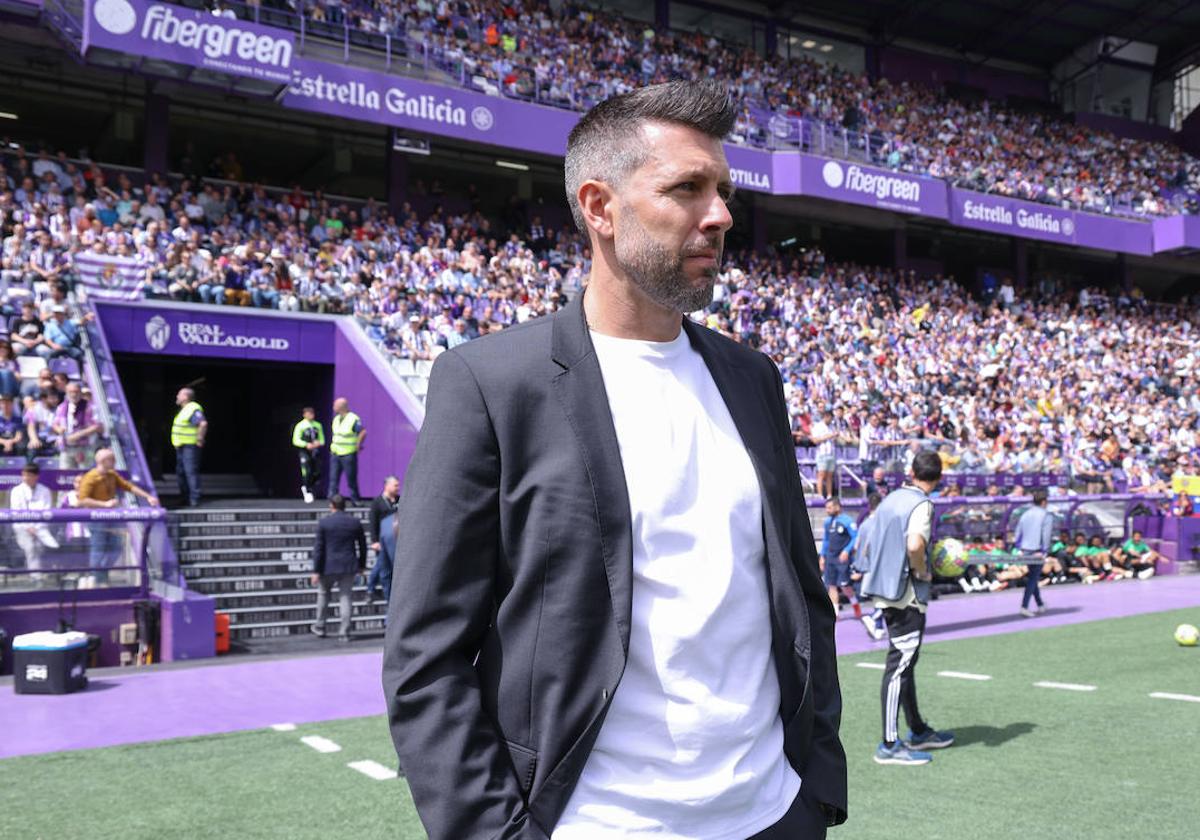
(597, 201)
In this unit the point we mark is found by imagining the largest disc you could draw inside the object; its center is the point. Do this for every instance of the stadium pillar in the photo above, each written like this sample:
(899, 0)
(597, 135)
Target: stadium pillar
(157, 123)
(1020, 257)
(759, 223)
(397, 178)
(1124, 276)
(662, 14)
(900, 248)
(772, 39)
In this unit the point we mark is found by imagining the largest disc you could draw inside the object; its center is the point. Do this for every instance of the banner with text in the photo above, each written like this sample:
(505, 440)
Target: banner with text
(189, 36)
(842, 180)
(198, 332)
(199, 39)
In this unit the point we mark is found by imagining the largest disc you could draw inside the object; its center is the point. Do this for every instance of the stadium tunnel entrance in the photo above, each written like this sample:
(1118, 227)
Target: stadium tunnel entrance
(251, 408)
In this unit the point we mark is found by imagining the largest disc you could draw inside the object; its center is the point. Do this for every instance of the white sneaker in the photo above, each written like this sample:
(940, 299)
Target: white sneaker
(308, 496)
(1027, 613)
(1146, 574)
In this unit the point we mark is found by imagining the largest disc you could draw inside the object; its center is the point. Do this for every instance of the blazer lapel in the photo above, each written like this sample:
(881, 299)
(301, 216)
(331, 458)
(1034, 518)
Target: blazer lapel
(580, 391)
(751, 414)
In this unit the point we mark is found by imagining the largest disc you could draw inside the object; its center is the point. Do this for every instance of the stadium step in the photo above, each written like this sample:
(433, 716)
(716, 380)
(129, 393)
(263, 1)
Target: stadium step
(255, 561)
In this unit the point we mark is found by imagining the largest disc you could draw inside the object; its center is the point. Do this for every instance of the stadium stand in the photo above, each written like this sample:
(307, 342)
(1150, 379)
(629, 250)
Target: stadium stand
(575, 56)
(1095, 387)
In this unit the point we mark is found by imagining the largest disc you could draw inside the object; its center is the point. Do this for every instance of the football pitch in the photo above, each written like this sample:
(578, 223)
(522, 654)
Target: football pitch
(1089, 753)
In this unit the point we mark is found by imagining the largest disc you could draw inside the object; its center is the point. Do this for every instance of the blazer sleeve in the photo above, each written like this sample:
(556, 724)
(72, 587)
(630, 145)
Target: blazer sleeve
(825, 772)
(458, 769)
(360, 546)
(318, 553)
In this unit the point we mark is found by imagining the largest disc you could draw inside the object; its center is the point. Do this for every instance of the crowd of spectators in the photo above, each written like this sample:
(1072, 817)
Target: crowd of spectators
(572, 56)
(1041, 380)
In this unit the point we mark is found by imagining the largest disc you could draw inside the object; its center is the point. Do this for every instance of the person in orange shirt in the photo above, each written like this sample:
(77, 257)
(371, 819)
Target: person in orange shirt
(99, 489)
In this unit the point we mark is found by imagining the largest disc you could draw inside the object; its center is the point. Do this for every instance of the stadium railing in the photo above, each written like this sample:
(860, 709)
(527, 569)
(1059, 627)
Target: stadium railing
(994, 518)
(85, 549)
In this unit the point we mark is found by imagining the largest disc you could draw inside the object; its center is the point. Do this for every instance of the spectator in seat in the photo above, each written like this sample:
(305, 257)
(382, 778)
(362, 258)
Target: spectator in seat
(10, 373)
(12, 430)
(62, 335)
(263, 291)
(32, 537)
(39, 425)
(27, 333)
(77, 429)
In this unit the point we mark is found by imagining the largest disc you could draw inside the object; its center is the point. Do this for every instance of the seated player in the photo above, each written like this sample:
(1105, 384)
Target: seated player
(1099, 559)
(1141, 558)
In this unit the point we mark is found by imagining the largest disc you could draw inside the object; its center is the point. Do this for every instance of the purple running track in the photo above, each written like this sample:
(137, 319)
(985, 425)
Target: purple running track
(153, 705)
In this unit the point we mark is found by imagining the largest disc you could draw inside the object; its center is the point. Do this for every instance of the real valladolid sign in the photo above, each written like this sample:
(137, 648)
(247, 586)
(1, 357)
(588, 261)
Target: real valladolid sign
(199, 39)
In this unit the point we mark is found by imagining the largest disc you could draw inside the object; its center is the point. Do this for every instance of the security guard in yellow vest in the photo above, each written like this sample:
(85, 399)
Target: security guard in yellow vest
(188, 431)
(348, 435)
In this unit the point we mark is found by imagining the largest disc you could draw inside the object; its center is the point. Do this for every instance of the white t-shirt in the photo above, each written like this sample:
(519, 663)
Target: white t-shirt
(692, 746)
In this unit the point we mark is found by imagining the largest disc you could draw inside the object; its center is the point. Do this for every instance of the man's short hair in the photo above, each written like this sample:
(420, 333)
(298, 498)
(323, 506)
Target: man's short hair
(31, 468)
(337, 501)
(308, 409)
(1040, 496)
(603, 146)
(927, 466)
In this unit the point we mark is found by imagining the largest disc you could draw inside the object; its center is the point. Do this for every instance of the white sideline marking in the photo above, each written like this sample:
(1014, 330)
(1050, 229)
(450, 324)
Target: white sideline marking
(874, 666)
(283, 727)
(373, 769)
(963, 675)
(321, 745)
(1166, 695)
(1065, 686)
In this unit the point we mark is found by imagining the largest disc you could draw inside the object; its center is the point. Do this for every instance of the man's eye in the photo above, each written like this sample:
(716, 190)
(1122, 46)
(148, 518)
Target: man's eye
(687, 186)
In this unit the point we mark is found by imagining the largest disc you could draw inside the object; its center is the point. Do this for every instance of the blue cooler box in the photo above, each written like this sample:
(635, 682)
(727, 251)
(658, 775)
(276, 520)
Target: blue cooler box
(50, 663)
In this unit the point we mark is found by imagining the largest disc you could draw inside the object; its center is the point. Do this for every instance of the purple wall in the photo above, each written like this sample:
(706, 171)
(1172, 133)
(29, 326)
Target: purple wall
(391, 416)
(102, 618)
(1127, 128)
(389, 412)
(900, 65)
(187, 626)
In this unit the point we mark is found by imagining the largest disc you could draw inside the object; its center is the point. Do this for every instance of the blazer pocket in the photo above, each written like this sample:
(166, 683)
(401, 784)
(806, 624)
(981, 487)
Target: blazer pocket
(524, 763)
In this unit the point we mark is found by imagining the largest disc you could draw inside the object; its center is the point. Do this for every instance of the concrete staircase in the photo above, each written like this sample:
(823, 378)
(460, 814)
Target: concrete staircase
(254, 559)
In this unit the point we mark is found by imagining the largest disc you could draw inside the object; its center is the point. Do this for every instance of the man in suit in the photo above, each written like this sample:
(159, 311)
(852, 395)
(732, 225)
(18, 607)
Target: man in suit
(613, 624)
(339, 554)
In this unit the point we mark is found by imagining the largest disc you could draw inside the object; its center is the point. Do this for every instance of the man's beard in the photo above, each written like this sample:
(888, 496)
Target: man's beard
(659, 273)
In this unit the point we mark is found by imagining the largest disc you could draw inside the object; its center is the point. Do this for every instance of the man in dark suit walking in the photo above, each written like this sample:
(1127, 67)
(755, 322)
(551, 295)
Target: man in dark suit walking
(339, 554)
(613, 624)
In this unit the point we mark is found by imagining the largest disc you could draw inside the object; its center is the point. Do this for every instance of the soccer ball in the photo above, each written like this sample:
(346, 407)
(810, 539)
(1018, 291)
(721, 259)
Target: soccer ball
(1187, 635)
(949, 558)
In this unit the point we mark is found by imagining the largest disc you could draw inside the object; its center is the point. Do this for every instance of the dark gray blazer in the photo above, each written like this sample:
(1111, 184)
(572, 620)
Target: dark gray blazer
(340, 547)
(516, 567)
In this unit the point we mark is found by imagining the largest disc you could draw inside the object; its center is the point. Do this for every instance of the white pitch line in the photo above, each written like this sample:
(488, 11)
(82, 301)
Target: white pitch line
(373, 769)
(1166, 695)
(874, 666)
(283, 727)
(963, 675)
(1065, 686)
(321, 745)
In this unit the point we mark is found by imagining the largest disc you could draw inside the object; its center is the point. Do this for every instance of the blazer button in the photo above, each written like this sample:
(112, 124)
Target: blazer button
(604, 695)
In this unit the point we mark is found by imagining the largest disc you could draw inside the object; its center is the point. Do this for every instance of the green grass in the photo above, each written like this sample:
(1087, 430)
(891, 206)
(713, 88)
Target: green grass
(1030, 762)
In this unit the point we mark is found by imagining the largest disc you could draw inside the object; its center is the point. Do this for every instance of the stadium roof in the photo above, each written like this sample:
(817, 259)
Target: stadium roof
(1038, 33)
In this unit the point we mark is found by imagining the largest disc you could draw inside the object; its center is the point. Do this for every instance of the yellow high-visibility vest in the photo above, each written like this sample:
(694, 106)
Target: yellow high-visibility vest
(183, 433)
(345, 439)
